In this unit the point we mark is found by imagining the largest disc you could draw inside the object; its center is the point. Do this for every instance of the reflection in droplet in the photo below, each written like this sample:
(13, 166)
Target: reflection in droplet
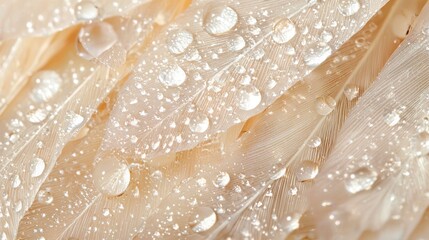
(179, 41)
(202, 219)
(37, 167)
(86, 10)
(314, 142)
(219, 20)
(221, 180)
(199, 123)
(284, 30)
(307, 170)
(172, 76)
(111, 176)
(361, 179)
(236, 43)
(96, 38)
(249, 97)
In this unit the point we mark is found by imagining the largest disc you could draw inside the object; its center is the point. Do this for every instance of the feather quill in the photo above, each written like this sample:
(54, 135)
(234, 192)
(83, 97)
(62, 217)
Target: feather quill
(376, 178)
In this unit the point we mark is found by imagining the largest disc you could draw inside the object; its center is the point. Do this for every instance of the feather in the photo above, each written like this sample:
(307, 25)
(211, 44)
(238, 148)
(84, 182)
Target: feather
(375, 182)
(279, 138)
(180, 93)
(21, 18)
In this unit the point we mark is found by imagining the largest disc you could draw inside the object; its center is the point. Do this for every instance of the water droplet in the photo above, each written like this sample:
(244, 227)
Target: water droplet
(326, 36)
(16, 181)
(236, 43)
(202, 219)
(37, 115)
(314, 56)
(325, 105)
(72, 122)
(86, 10)
(45, 197)
(348, 7)
(392, 118)
(37, 167)
(279, 174)
(172, 76)
(47, 85)
(219, 20)
(351, 92)
(307, 170)
(18, 206)
(314, 142)
(199, 123)
(179, 41)
(111, 176)
(95, 39)
(248, 97)
(221, 180)
(290, 223)
(106, 212)
(361, 179)
(284, 30)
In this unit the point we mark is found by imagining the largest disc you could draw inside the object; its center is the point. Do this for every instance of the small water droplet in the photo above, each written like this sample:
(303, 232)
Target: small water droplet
(106, 212)
(392, 118)
(326, 36)
(348, 7)
(249, 97)
(18, 206)
(95, 39)
(290, 223)
(202, 219)
(72, 122)
(221, 180)
(47, 85)
(284, 30)
(219, 20)
(37, 115)
(325, 105)
(236, 43)
(16, 181)
(351, 92)
(179, 41)
(86, 10)
(361, 179)
(111, 176)
(314, 142)
(316, 55)
(45, 197)
(172, 76)
(199, 123)
(307, 170)
(37, 167)
(279, 174)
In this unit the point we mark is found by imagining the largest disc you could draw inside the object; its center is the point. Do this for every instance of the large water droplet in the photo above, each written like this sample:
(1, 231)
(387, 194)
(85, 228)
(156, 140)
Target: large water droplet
(325, 105)
(199, 123)
(221, 180)
(37, 167)
(361, 179)
(96, 38)
(179, 41)
(283, 31)
(248, 97)
(172, 76)
(219, 20)
(47, 85)
(348, 7)
(45, 197)
(86, 10)
(37, 115)
(111, 176)
(202, 219)
(314, 56)
(392, 118)
(307, 170)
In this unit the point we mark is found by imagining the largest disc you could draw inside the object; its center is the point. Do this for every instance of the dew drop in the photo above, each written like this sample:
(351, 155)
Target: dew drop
(199, 123)
(325, 105)
(236, 43)
(314, 142)
(73, 122)
(95, 39)
(16, 181)
(326, 36)
(221, 180)
(47, 85)
(249, 97)
(351, 92)
(179, 41)
(37, 167)
(45, 197)
(361, 179)
(37, 115)
(111, 176)
(86, 10)
(106, 212)
(392, 118)
(316, 55)
(219, 20)
(279, 174)
(284, 30)
(172, 76)
(307, 170)
(348, 7)
(18, 206)
(202, 219)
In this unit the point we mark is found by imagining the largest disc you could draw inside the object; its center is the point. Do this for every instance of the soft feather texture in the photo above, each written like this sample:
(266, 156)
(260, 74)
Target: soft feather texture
(152, 118)
(382, 145)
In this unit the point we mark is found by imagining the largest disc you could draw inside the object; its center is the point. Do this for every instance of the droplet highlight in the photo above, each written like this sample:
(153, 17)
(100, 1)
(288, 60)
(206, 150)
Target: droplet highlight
(172, 76)
(249, 97)
(219, 20)
(284, 30)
